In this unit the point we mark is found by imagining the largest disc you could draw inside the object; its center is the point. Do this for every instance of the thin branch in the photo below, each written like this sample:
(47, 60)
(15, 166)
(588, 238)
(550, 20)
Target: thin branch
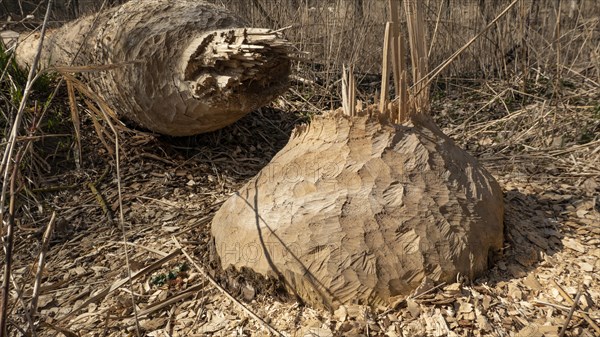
(40, 268)
(573, 308)
(222, 290)
(121, 214)
(5, 165)
(8, 246)
(435, 72)
(569, 300)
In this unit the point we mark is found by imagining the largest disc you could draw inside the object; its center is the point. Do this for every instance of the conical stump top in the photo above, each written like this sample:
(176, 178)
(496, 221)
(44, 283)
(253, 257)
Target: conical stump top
(359, 210)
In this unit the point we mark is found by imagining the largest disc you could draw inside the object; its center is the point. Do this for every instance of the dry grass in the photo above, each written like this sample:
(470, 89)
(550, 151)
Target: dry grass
(523, 98)
(534, 37)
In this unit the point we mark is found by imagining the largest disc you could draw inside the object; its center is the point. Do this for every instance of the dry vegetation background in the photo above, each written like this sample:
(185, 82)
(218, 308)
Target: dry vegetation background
(524, 99)
(538, 36)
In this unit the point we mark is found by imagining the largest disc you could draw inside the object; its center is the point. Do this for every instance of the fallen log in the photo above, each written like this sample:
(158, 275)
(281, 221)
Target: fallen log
(181, 67)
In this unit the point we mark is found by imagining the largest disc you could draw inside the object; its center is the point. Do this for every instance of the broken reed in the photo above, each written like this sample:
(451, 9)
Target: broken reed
(408, 103)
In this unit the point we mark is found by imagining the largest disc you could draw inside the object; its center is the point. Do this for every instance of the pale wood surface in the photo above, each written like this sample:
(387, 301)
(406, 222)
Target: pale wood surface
(357, 210)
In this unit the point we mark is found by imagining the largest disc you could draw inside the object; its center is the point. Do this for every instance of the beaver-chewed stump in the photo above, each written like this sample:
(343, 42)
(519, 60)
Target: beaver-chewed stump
(359, 210)
(179, 67)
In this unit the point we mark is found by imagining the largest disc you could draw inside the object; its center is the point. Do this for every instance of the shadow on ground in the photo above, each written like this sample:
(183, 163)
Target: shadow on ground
(531, 232)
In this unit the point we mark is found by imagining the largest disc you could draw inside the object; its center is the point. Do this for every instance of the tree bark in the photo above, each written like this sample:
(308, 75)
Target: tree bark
(183, 67)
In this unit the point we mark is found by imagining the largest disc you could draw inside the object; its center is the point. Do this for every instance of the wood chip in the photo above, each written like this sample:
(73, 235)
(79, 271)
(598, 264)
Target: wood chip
(413, 308)
(574, 245)
(532, 282)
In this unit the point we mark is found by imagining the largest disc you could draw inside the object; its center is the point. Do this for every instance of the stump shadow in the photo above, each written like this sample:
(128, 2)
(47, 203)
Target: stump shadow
(241, 150)
(531, 230)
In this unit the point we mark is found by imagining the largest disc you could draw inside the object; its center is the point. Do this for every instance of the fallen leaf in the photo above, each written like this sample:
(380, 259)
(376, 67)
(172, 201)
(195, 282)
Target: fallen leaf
(341, 314)
(532, 283)
(413, 308)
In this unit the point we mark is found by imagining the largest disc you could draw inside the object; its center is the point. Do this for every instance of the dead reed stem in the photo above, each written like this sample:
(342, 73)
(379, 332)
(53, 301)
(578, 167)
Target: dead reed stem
(418, 55)
(8, 152)
(395, 44)
(7, 167)
(76, 123)
(40, 267)
(557, 47)
(8, 246)
(385, 73)
(436, 71)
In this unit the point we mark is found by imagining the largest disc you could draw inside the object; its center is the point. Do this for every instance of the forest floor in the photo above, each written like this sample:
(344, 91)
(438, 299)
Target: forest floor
(543, 149)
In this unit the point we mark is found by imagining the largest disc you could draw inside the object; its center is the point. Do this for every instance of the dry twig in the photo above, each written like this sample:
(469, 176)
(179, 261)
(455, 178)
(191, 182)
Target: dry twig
(118, 284)
(568, 298)
(224, 292)
(6, 167)
(568, 320)
(40, 267)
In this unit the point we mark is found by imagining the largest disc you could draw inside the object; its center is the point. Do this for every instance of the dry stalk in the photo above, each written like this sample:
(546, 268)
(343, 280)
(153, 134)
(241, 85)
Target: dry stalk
(76, 123)
(7, 167)
(118, 284)
(435, 72)
(352, 92)
(100, 131)
(408, 105)
(395, 41)
(8, 152)
(40, 267)
(8, 245)
(19, 290)
(435, 29)
(418, 55)
(385, 73)
(109, 116)
(104, 108)
(348, 91)
(557, 47)
(345, 91)
(570, 315)
(569, 300)
(100, 199)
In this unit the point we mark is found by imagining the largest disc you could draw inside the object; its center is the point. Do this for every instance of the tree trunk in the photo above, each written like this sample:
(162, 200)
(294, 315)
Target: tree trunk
(183, 67)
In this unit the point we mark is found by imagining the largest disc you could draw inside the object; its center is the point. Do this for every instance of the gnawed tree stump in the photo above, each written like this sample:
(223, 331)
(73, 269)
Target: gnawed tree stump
(359, 210)
(184, 67)
(364, 207)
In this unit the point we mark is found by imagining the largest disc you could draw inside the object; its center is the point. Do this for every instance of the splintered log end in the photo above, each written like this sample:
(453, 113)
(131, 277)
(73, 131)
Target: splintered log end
(246, 67)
